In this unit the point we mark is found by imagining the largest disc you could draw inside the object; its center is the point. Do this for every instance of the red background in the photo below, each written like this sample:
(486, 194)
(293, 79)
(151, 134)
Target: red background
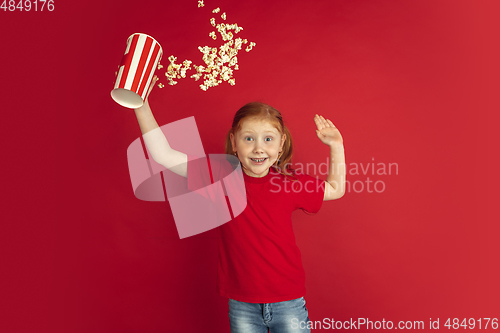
(406, 82)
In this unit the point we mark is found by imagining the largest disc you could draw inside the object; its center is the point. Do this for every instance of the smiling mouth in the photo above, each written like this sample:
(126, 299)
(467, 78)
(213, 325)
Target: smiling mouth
(258, 160)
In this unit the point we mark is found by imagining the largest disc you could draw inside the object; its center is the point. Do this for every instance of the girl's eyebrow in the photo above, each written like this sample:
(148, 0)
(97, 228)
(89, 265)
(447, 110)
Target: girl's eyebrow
(251, 131)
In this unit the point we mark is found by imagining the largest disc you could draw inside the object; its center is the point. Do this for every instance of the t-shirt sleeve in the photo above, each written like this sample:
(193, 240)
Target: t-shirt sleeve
(309, 192)
(200, 180)
(198, 174)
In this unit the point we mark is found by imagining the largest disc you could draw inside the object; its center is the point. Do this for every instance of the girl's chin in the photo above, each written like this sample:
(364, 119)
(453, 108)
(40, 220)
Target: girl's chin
(259, 171)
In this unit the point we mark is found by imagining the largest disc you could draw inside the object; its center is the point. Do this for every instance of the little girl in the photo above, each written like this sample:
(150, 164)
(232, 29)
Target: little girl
(259, 265)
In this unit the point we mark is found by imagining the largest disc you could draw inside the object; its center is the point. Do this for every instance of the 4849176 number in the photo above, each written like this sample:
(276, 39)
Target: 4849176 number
(471, 323)
(27, 5)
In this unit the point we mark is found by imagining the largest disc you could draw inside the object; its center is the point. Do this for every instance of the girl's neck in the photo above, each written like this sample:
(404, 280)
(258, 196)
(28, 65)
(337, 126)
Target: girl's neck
(245, 171)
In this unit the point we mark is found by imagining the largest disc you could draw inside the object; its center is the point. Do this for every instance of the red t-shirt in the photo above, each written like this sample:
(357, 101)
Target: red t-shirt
(259, 261)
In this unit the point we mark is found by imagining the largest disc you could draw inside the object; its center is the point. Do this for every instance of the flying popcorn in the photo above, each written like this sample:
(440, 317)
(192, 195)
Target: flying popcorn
(219, 63)
(249, 47)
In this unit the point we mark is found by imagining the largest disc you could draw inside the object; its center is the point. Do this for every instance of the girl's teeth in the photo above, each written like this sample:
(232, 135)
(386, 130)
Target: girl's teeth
(258, 160)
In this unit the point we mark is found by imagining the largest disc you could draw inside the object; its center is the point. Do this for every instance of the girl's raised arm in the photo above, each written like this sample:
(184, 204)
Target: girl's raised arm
(156, 141)
(330, 136)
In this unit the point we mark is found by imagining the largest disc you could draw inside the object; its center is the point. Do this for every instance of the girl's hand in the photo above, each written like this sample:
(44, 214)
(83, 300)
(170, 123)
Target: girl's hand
(151, 86)
(327, 132)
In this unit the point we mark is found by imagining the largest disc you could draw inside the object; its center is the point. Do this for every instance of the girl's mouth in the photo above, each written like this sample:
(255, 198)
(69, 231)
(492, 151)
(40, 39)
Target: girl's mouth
(258, 160)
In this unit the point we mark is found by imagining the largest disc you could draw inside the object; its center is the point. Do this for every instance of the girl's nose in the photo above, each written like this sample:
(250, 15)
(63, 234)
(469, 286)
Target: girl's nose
(257, 147)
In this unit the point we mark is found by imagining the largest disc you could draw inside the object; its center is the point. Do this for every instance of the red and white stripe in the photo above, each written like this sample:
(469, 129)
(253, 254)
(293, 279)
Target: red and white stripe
(138, 64)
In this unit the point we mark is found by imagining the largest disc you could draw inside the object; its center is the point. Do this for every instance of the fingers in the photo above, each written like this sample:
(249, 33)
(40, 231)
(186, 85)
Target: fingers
(319, 122)
(151, 86)
(322, 122)
(153, 82)
(330, 122)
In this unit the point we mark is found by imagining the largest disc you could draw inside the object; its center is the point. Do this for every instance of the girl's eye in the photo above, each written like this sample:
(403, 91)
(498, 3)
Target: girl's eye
(268, 138)
(248, 138)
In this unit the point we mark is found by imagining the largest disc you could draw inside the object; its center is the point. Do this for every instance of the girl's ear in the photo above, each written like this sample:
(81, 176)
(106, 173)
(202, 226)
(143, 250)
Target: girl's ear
(283, 139)
(231, 137)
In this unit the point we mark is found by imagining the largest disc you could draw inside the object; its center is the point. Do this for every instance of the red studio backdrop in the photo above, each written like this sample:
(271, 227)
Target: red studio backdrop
(410, 85)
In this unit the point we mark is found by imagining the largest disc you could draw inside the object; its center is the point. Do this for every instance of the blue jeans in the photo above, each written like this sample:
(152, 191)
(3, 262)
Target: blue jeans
(280, 317)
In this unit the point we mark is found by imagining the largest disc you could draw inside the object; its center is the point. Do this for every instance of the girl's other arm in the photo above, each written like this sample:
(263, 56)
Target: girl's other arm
(336, 174)
(330, 135)
(156, 142)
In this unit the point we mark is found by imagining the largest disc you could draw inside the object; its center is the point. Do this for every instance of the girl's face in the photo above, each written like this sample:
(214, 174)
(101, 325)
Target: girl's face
(258, 144)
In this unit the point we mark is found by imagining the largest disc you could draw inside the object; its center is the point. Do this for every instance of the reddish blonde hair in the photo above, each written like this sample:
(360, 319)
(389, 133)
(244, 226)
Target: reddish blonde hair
(262, 111)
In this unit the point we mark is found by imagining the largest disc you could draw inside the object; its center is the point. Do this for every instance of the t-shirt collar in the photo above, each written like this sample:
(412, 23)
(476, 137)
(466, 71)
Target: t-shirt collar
(259, 180)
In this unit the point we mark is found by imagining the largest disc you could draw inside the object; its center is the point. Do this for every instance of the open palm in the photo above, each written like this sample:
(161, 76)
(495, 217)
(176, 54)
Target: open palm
(327, 132)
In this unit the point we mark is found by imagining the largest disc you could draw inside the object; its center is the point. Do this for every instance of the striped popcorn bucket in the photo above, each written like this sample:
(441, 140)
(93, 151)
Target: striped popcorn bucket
(136, 70)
